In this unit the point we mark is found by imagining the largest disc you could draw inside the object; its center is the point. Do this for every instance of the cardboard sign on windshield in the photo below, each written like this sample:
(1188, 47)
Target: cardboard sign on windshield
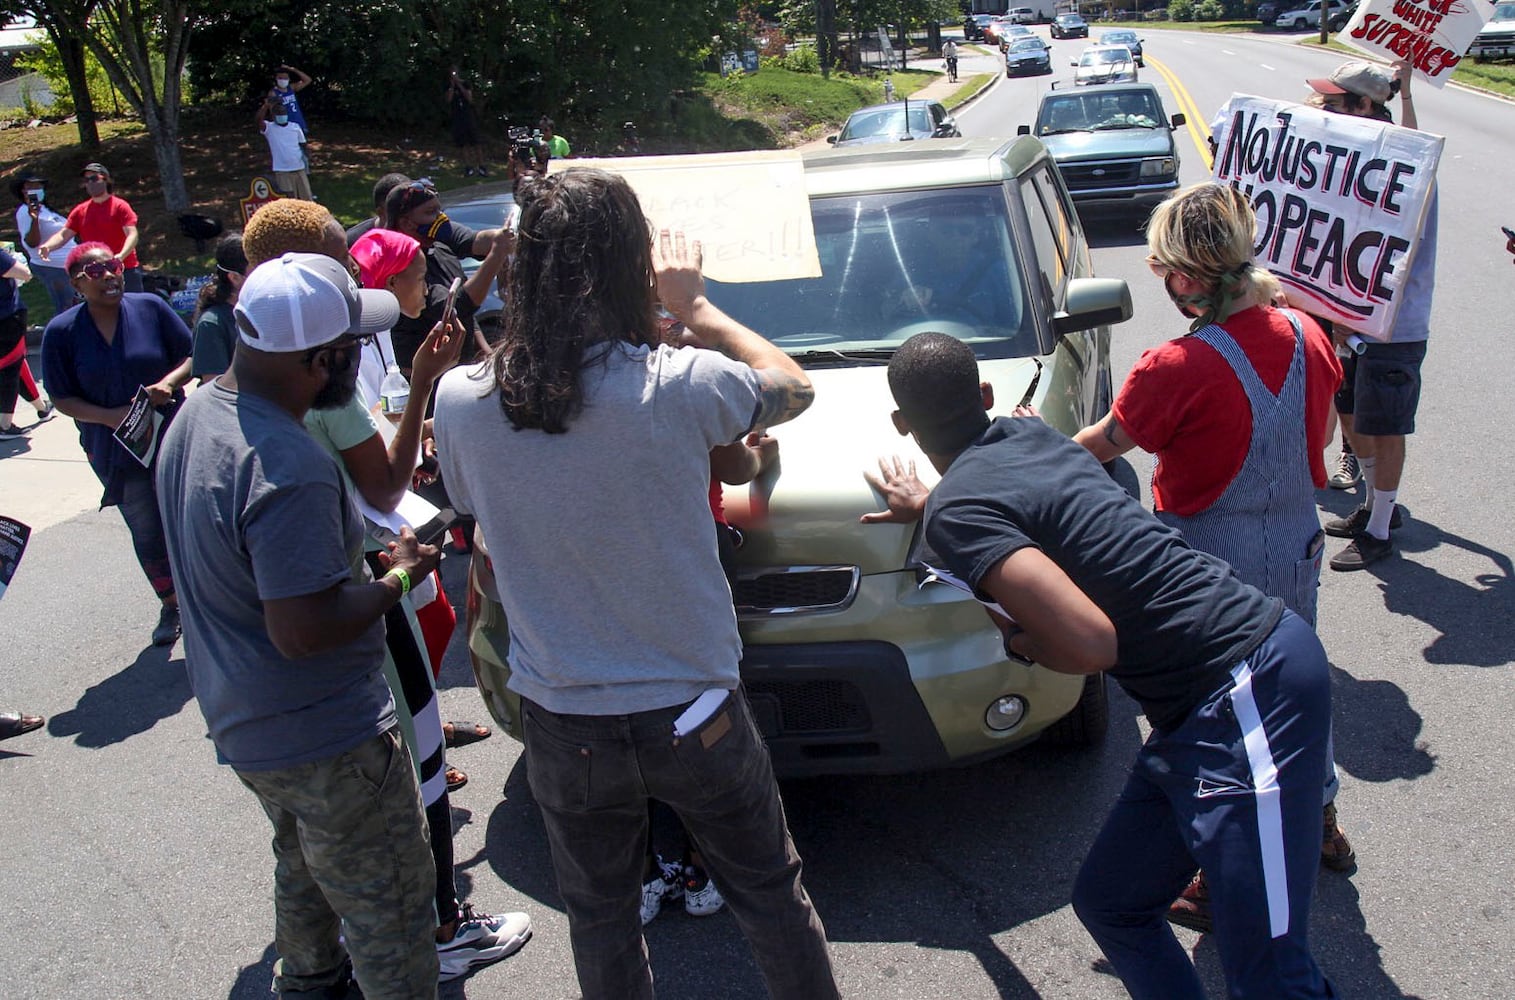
(1432, 34)
(1340, 202)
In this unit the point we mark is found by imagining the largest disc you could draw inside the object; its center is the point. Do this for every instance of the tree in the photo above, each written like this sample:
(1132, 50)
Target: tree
(125, 36)
(71, 52)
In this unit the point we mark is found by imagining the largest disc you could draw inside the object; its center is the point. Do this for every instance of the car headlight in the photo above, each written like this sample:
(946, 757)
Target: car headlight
(1160, 167)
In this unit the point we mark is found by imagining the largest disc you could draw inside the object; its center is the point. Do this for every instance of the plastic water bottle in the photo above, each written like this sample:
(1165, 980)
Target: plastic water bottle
(394, 393)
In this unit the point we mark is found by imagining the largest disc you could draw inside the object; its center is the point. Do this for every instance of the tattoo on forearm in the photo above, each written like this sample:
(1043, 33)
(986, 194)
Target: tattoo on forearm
(781, 397)
(1109, 431)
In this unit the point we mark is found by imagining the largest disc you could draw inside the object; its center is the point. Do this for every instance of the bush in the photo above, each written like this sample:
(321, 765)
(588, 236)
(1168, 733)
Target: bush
(1209, 10)
(802, 60)
(1181, 10)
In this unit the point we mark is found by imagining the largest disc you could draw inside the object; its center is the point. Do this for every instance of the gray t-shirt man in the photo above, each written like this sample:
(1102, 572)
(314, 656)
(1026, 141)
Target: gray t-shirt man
(602, 537)
(284, 526)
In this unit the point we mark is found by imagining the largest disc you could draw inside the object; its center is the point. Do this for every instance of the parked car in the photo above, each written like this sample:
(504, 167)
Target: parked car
(1267, 13)
(1104, 64)
(1126, 37)
(895, 122)
(853, 661)
(973, 26)
(1308, 16)
(1028, 55)
(1113, 144)
(1070, 26)
(1496, 40)
(1040, 12)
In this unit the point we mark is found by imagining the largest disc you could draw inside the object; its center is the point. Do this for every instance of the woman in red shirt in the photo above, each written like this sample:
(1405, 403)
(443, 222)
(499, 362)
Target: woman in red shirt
(1235, 414)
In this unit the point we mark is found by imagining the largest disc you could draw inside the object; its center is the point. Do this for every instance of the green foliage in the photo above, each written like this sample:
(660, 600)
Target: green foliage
(1209, 10)
(801, 60)
(792, 101)
(47, 62)
(1181, 10)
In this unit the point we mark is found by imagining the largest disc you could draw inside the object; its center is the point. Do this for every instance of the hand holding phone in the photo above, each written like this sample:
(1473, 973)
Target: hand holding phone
(449, 310)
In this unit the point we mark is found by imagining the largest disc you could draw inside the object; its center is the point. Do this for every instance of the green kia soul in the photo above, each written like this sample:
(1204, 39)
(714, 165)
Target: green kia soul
(854, 660)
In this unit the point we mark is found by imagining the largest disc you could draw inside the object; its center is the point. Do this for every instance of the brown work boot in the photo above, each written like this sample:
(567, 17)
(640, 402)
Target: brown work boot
(1192, 907)
(1335, 849)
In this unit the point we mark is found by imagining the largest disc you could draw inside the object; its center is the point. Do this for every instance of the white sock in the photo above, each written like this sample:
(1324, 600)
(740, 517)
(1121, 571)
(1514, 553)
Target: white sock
(1366, 464)
(1383, 509)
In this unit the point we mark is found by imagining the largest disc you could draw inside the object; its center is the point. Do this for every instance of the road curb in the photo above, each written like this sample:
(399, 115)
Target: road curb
(994, 80)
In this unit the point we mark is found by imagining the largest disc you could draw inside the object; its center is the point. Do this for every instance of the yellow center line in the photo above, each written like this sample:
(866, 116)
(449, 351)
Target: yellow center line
(1198, 129)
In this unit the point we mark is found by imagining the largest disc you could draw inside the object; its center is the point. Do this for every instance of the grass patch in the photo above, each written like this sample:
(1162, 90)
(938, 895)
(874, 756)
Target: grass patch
(783, 108)
(1214, 27)
(968, 89)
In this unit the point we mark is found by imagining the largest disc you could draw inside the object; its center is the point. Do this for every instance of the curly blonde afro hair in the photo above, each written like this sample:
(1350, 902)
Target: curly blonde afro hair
(290, 225)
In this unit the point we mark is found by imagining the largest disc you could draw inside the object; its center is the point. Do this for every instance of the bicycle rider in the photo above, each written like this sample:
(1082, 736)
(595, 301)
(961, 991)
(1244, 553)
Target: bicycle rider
(949, 53)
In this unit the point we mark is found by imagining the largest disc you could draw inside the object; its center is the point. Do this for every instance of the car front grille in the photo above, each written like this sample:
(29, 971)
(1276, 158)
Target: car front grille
(1101, 174)
(794, 590)
(811, 706)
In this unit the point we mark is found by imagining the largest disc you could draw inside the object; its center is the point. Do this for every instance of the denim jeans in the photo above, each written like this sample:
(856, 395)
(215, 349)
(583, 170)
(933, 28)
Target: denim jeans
(59, 289)
(351, 857)
(139, 509)
(592, 777)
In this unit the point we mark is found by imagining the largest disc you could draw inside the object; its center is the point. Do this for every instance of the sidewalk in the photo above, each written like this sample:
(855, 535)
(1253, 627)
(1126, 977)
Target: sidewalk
(44, 478)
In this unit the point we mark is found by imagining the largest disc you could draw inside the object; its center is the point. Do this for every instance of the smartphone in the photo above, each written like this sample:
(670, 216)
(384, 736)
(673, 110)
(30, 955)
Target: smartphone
(432, 530)
(450, 308)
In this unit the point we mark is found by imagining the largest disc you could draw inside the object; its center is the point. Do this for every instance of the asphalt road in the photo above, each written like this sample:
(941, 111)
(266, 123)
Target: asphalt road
(137, 867)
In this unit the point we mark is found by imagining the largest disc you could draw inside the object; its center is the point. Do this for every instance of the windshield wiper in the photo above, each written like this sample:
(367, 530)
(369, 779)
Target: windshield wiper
(1114, 125)
(867, 356)
(1064, 131)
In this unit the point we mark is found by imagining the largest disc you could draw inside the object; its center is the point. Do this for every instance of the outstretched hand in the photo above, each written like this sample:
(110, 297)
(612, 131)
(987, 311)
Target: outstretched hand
(676, 260)
(903, 492)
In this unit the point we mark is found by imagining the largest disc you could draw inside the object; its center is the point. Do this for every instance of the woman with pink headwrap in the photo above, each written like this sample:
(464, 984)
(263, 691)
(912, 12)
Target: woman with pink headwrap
(391, 261)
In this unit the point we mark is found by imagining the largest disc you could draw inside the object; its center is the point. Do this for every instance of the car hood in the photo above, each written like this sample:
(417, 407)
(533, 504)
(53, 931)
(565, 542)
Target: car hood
(876, 140)
(1070, 147)
(1031, 55)
(805, 510)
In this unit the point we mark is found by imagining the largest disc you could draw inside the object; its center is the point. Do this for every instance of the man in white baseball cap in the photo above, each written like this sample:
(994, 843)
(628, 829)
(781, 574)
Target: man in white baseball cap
(284, 636)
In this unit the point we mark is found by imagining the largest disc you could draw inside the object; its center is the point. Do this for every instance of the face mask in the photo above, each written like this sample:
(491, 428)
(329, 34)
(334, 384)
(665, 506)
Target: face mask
(282, 83)
(281, 119)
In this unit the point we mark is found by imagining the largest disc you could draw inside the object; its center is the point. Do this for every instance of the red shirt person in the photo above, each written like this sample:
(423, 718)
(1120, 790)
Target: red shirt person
(102, 218)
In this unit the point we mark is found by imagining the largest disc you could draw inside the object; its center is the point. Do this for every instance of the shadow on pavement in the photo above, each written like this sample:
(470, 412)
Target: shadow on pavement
(153, 688)
(253, 981)
(1377, 731)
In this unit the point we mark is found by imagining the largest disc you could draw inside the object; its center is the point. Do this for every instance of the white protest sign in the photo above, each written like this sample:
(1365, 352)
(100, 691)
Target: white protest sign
(1431, 34)
(748, 210)
(1340, 201)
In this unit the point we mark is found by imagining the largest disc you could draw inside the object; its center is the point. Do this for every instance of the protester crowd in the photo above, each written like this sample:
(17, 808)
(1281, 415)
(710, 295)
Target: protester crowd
(316, 676)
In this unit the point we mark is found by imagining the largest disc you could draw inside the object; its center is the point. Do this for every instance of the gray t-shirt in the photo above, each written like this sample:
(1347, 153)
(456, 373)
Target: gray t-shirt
(601, 538)
(256, 510)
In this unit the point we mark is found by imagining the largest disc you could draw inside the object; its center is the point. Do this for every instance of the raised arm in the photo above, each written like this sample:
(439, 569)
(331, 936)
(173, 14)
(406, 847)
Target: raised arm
(1106, 440)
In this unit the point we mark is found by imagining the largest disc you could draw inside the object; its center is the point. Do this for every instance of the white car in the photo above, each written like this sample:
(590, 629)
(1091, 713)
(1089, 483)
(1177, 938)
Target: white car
(1104, 64)
(1308, 16)
(1497, 39)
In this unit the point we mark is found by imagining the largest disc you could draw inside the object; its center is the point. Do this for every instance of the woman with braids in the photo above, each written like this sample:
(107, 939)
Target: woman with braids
(215, 331)
(1236, 414)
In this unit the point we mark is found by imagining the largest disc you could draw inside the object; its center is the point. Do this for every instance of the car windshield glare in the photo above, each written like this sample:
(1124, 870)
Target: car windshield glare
(887, 121)
(1103, 57)
(894, 265)
(1087, 112)
(1028, 45)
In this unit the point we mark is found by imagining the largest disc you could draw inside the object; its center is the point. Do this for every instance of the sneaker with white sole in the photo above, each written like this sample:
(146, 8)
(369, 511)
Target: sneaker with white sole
(701, 897)
(12, 433)
(45, 410)
(666, 885)
(1348, 473)
(481, 939)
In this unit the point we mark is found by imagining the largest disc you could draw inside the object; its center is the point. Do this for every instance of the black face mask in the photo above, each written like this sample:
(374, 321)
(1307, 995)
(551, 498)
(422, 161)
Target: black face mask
(342, 384)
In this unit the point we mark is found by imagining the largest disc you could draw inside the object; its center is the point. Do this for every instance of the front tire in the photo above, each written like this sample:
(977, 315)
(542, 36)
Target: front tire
(1087, 724)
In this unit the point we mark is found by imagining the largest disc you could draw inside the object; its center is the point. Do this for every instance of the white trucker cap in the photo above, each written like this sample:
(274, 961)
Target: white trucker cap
(304, 300)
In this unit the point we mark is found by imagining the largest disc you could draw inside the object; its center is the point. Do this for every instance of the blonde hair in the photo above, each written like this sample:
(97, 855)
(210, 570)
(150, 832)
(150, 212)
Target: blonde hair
(288, 225)
(1206, 231)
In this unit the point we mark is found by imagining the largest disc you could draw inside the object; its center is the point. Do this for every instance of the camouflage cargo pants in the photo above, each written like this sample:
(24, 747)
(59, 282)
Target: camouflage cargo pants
(352, 858)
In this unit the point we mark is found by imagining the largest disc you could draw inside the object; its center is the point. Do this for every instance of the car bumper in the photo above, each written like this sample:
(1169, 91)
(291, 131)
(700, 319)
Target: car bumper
(1136, 194)
(1026, 68)
(899, 681)
(1492, 50)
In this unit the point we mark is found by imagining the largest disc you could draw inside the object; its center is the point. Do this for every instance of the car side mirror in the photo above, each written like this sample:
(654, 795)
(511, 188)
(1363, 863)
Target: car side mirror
(947, 125)
(1178, 120)
(1073, 63)
(832, 139)
(1093, 302)
(1023, 130)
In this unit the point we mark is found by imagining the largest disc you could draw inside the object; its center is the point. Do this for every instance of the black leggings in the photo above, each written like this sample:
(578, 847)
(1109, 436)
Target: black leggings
(12, 332)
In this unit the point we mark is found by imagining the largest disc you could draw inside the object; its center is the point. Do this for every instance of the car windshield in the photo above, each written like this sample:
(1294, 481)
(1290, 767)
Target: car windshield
(1104, 57)
(1120, 38)
(1094, 112)
(481, 214)
(886, 121)
(894, 265)
(1504, 12)
(1071, 19)
(1028, 45)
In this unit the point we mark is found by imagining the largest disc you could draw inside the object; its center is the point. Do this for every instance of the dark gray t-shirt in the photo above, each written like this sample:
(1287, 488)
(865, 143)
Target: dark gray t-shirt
(1182, 617)
(256, 510)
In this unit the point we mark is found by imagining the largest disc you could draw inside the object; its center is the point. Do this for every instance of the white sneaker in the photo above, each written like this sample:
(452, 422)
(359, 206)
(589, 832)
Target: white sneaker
(480, 940)
(701, 897)
(668, 884)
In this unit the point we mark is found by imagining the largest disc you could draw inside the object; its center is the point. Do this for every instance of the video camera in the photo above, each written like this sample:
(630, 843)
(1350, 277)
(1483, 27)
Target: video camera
(528, 146)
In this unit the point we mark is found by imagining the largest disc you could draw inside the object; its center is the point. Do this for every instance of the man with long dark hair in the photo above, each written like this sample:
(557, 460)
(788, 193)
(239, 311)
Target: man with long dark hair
(583, 448)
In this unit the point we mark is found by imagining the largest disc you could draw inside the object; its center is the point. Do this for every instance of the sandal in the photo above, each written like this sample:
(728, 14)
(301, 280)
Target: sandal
(455, 779)
(16, 723)
(460, 734)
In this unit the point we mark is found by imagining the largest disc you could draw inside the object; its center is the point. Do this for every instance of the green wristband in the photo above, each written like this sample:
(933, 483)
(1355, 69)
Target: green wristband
(403, 577)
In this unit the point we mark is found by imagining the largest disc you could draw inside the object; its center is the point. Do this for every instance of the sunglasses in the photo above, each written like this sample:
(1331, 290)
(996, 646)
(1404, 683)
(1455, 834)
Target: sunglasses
(98, 269)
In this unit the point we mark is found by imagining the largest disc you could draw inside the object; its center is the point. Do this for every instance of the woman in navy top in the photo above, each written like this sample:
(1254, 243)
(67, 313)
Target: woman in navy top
(95, 356)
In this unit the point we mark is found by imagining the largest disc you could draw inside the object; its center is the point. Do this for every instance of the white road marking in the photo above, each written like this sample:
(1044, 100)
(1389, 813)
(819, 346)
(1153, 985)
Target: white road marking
(1227, 52)
(1267, 67)
(1188, 42)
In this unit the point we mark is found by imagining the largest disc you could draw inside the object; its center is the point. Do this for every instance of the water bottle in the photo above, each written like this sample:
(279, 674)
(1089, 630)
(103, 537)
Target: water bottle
(394, 393)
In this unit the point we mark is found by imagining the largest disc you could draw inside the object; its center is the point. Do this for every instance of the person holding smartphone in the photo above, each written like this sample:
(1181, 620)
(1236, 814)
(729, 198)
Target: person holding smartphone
(35, 222)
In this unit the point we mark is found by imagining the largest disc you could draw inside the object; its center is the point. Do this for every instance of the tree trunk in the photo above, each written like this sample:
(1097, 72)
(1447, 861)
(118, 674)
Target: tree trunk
(825, 34)
(71, 52)
(165, 137)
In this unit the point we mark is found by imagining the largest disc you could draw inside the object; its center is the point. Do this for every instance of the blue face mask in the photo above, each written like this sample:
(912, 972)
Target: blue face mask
(281, 119)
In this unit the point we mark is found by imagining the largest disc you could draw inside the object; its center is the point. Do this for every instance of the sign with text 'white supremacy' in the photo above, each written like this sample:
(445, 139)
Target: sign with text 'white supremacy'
(1340, 201)
(750, 211)
(1431, 34)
